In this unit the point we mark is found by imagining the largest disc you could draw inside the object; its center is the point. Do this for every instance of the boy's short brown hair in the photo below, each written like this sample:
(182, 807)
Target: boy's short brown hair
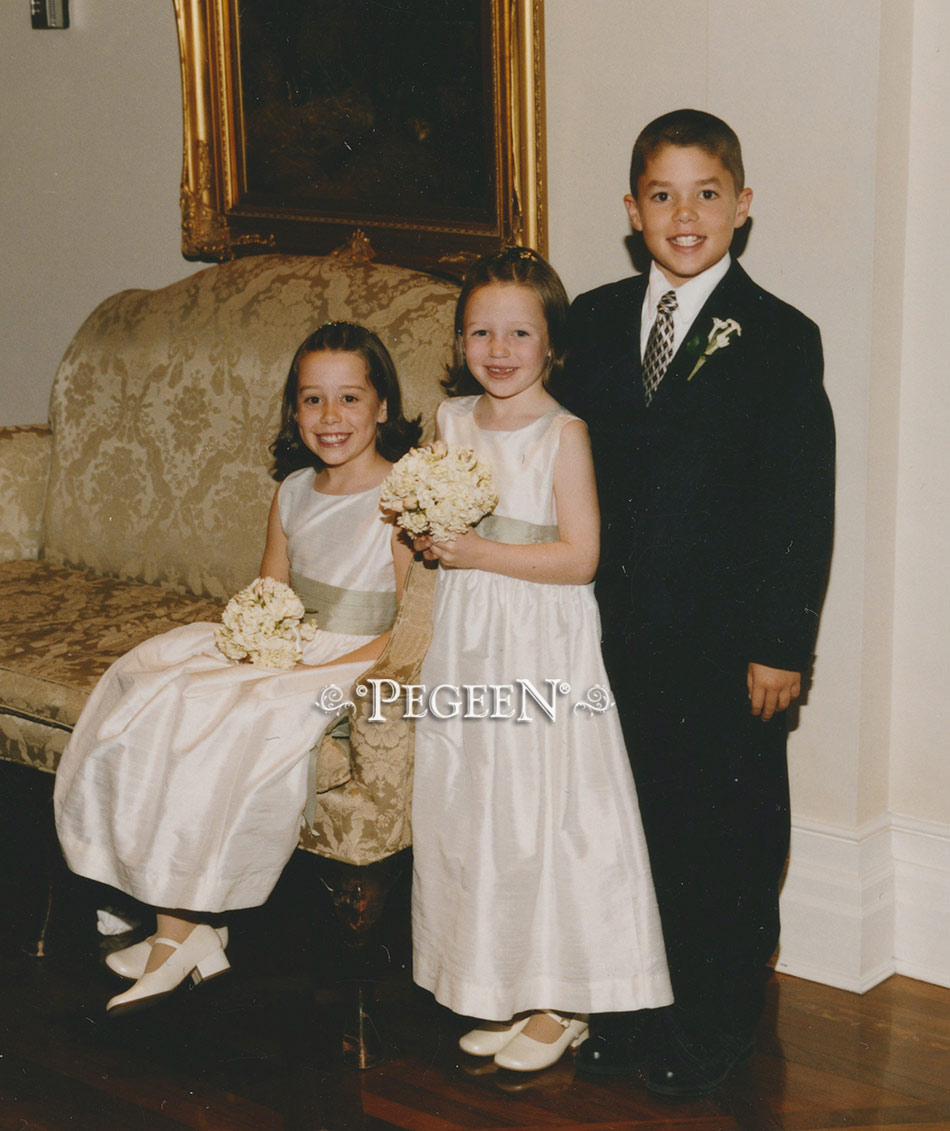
(683, 128)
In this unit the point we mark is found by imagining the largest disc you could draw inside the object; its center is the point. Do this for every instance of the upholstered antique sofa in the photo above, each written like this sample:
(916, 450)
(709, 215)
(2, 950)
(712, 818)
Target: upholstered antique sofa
(143, 504)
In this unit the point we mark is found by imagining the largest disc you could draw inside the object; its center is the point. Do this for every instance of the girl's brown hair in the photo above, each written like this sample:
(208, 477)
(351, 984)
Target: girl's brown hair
(394, 437)
(512, 265)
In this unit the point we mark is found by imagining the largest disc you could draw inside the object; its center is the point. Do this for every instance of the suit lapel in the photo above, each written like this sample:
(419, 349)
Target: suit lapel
(728, 300)
(636, 320)
(619, 371)
(629, 365)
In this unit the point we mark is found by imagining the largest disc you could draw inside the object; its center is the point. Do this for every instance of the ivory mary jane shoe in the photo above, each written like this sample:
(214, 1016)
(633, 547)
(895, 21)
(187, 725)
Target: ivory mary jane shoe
(525, 1054)
(487, 1042)
(201, 956)
(130, 962)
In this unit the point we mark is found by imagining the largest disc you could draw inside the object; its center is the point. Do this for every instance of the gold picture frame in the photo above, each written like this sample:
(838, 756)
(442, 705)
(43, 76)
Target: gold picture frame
(264, 147)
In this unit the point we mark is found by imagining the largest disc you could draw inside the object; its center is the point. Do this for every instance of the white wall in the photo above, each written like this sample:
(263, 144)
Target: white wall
(921, 783)
(843, 114)
(920, 767)
(90, 163)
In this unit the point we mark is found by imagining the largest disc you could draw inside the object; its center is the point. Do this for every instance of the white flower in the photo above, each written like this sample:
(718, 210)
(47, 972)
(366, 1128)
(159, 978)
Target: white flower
(722, 331)
(720, 336)
(262, 624)
(440, 491)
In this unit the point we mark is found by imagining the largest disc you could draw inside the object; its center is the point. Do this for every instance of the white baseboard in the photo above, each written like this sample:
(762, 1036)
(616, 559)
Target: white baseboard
(921, 852)
(838, 905)
(861, 904)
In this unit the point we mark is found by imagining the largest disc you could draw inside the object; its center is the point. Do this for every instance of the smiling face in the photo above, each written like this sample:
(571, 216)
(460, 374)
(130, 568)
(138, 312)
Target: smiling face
(505, 339)
(687, 209)
(338, 408)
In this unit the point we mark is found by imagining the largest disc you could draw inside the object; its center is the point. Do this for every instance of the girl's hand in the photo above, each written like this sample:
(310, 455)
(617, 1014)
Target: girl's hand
(422, 544)
(464, 551)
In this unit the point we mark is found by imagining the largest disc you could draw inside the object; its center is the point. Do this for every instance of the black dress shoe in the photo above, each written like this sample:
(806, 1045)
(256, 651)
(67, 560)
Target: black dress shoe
(614, 1052)
(688, 1070)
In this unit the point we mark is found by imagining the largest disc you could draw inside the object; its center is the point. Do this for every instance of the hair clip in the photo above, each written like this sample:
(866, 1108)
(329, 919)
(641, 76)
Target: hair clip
(514, 251)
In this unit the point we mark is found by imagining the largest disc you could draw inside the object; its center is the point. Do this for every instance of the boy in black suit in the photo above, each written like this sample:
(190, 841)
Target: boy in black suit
(714, 447)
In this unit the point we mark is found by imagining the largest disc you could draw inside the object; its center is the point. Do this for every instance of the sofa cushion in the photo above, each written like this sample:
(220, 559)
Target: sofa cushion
(31, 743)
(166, 400)
(63, 627)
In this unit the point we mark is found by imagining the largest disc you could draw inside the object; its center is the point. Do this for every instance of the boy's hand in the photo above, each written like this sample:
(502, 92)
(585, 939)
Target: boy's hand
(771, 689)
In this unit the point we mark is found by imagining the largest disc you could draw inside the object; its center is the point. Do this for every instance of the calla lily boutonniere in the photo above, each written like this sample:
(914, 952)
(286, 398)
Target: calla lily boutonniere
(720, 336)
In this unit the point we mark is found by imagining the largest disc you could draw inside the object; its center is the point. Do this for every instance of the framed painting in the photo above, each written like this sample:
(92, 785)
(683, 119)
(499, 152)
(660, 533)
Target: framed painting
(413, 128)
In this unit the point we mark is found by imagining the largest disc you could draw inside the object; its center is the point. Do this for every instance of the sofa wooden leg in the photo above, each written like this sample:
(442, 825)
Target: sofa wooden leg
(47, 890)
(362, 1045)
(359, 894)
(35, 943)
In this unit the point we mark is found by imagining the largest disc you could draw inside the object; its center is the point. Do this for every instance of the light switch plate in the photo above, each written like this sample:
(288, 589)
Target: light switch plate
(49, 13)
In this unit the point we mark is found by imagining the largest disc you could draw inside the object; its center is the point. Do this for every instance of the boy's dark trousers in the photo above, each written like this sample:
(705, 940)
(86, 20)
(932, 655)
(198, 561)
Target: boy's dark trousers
(717, 506)
(713, 791)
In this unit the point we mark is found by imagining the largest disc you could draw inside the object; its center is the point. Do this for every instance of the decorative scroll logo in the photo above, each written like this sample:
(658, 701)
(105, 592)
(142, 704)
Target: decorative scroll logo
(520, 701)
(331, 699)
(596, 701)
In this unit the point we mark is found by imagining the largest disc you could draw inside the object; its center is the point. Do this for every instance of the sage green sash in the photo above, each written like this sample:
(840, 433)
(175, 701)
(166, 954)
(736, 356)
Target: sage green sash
(515, 531)
(357, 612)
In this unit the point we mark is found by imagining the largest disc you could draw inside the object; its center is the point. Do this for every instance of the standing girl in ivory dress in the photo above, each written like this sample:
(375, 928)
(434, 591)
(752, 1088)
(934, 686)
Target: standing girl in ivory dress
(532, 898)
(186, 776)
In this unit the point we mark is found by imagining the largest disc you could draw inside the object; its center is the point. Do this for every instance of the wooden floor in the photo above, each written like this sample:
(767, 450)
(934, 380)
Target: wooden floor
(259, 1047)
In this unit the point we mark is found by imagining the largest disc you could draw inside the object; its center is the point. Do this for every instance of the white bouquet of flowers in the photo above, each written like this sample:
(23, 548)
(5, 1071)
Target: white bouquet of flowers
(439, 490)
(262, 625)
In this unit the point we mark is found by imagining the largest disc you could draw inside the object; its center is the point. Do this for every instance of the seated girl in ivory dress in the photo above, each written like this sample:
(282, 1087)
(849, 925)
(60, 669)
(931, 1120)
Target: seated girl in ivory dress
(185, 778)
(533, 904)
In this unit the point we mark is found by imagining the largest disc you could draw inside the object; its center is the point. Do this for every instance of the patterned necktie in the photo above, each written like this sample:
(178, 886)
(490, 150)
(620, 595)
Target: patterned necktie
(659, 351)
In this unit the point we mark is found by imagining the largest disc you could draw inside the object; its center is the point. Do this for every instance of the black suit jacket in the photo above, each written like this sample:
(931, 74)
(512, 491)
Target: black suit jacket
(717, 500)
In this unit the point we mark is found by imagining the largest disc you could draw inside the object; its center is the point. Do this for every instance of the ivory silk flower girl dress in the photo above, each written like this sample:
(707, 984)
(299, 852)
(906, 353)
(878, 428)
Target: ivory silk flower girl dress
(532, 884)
(185, 779)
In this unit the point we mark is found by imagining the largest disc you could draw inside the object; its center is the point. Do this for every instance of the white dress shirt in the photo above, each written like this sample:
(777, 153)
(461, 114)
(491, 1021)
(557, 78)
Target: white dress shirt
(690, 297)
